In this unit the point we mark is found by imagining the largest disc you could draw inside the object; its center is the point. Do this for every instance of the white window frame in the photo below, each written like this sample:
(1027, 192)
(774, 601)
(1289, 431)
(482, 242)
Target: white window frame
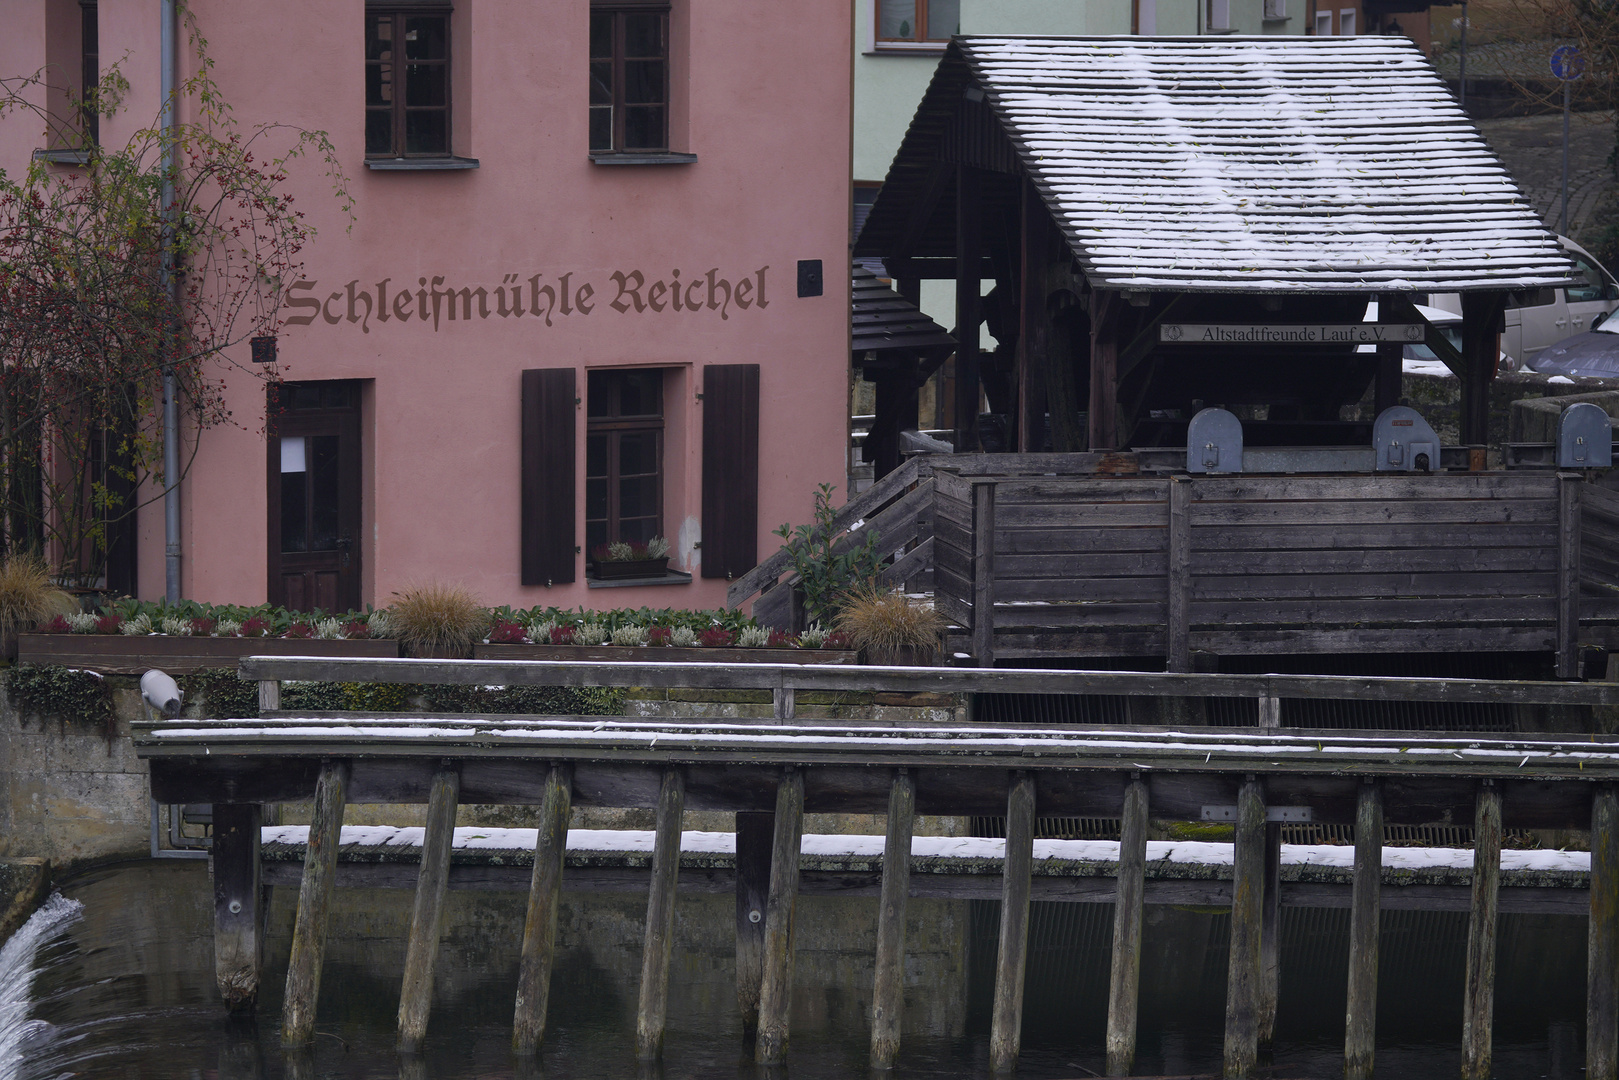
(1323, 24)
(1147, 17)
(1219, 14)
(1346, 22)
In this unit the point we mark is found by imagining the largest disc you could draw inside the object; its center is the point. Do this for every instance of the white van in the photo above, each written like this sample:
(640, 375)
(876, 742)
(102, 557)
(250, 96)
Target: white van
(1547, 316)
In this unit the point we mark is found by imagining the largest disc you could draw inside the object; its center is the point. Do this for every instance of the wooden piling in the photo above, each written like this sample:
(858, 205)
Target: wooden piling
(1360, 1021)
(1270, 930)
(1602, 967)
(660, 918)
(314, 906)
(888, 992)
(1006, 1024)
(1478, 1010)
(776, 987)
(540, 926)
(1125, 983)
(416, 992)
(1247, 912)
(755, 833)
(238, 915)
(983, 584)
(269, 695)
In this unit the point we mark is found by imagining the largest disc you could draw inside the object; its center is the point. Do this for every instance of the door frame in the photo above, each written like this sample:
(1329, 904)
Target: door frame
(345, 424)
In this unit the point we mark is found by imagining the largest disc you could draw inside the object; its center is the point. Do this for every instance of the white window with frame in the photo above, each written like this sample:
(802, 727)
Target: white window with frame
(1275, 10)
(1323, 24)
(1147, 16)
(916, 22)
(1219, 14)
(1346, 22)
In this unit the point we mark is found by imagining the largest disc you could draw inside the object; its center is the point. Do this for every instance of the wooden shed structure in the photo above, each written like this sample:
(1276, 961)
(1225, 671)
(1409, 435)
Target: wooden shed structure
(1121, 190)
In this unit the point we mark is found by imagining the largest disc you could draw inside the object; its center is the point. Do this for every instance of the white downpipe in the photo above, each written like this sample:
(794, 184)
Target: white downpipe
(171, 406)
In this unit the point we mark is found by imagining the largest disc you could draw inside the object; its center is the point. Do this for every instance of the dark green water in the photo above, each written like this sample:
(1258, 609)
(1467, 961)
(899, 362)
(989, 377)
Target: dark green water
(127, 991)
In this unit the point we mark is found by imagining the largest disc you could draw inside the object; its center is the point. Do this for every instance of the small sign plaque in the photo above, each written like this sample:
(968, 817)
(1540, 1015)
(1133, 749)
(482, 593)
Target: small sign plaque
(1290, 334)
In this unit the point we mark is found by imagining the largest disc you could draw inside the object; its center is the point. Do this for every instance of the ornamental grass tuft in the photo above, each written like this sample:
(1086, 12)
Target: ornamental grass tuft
(27, 595)
(886, 620)
(437, 617)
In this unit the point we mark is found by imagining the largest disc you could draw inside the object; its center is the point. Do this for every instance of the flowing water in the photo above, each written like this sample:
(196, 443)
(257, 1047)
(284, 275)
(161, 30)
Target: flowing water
(124, 989)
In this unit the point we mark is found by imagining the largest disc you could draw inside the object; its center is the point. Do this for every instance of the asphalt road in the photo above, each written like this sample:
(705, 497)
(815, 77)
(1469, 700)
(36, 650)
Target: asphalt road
(1531, 149)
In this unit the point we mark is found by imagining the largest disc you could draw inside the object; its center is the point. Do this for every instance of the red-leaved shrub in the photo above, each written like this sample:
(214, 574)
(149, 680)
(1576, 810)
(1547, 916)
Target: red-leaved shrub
(109, 624)
(56, 625)
(356, 628)
(300, 630)
(562, 635)
(781, 639)
(658, 635)
(506, 632)
(256, 626)
(716, 637)
(202, 626)
(838, 639)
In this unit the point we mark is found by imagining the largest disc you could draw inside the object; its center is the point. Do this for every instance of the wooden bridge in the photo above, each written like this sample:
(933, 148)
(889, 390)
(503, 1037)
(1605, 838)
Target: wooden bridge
(789, 765)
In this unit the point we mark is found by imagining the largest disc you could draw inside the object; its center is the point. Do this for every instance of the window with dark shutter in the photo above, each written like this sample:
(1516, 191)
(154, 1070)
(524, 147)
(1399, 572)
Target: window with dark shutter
(548, 509)
(730, 469)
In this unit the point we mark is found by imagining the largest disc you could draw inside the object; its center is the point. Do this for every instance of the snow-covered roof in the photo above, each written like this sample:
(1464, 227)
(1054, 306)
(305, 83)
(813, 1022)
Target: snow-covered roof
(1232, 164)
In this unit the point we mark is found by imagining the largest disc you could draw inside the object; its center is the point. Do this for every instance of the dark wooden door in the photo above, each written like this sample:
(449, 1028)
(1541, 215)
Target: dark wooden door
(314, 496)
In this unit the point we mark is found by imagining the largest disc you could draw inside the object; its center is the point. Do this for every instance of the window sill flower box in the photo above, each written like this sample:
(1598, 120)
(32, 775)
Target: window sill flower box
(122, 654)
(615, 570)
(663, 654)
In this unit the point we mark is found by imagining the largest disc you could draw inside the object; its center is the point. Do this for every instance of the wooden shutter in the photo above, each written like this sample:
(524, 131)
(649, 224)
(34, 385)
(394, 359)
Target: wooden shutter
(548, 509)
(730, 469)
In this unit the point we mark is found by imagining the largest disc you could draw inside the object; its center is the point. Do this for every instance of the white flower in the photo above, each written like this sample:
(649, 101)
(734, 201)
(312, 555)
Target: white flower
(590, 634)
(136, 627)
(175, 626)
(683, 637)
(629, 635)
(753, 637)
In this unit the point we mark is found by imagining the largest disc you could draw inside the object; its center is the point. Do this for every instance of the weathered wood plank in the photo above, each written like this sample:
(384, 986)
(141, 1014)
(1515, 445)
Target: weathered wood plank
(1375, 487)
(755, 832)
(1178, 577)
(421, 952)
(1124, 983)
(776, 989)
(1360, 1038)
(1478, 1009)
(544, 902)
(1046, 489)
(653, 1007)
(238, 917)
(888, 989)
(1075, 539)
(1285, 584)
(1601, 500)
(1390, 512)
(1011, 960)
(1091, 515)
(1102, 564)
(1602, 942)
(1369, 560)
(1270, 944)
(1247, 902)
(314, 907)
(1210, 539)
(269, 695)
(1113, 463)
(1374, 610)
(983, 624)
(908, 565)
(1569, 486)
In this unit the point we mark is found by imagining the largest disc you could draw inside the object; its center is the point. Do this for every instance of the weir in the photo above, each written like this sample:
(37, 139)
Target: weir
(787, 766)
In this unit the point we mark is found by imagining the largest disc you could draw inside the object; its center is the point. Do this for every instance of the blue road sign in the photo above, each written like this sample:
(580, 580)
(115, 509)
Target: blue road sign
(1568, 63)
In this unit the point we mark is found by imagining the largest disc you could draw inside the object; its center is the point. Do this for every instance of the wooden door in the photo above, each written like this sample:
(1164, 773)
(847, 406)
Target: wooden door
(313, 470)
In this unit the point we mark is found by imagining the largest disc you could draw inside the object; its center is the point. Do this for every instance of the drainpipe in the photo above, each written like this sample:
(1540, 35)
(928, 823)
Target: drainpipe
(170, 60)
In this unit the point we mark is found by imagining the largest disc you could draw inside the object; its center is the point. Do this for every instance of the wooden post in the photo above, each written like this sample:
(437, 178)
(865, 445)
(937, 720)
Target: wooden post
(1602, 958)
(1568, 575)
(1247, 903)
(1104, 405)
(1034, 321)
(776, 988)
(1270, 929)
(416, 993)
(314, 906)
(660, 918)
(888, 991)
(544, 899)
(1270, 711)
(269, 695)
(781, 704)
(1390, 354)
(754, 835)
(969, 304)
(238, 917)
(1478, 1010)
(1178, 647)
(1006, 1025)
(984, 573)
(1481, 349)
(1360, 1023)
(1125, 984)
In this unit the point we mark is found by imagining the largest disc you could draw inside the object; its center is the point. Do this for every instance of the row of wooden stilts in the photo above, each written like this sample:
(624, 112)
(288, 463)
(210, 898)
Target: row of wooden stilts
(1253, 975)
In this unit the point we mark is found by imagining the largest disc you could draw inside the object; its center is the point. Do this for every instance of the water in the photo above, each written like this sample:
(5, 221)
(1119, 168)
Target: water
(127, 990)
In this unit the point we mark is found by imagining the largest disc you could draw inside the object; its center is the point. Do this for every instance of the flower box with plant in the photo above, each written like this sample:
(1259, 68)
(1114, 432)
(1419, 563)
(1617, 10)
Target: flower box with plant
(665, 635)
(623, 559)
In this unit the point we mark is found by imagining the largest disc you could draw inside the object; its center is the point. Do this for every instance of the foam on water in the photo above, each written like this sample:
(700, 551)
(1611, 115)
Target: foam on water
(17, 971)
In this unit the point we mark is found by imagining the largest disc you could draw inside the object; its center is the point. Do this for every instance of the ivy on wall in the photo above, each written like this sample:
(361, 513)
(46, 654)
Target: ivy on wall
(48, 690)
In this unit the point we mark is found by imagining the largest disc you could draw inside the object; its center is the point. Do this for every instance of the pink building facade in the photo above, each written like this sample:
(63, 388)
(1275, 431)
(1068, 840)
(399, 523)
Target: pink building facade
(595, 289)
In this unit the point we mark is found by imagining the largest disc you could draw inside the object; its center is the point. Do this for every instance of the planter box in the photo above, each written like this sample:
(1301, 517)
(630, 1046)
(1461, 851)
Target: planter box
(632, 568)
(116, 654)
(662, 654)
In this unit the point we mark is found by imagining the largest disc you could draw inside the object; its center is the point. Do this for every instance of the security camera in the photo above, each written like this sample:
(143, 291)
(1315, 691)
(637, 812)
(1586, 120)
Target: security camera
(161, 693)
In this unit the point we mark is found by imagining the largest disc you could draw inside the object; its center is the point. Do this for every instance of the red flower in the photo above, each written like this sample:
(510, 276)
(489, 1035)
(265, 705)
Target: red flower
(57, 625)
(505, 632)
(781, 639)
(562, 635)
(357, 628)
(658, 635)
(202, 626)
(257, 626)
(109, 624)
(716, 638)
(299, 630)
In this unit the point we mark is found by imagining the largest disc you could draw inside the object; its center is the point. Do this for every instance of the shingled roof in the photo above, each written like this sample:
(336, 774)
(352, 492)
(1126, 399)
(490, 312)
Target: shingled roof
(1236, 164)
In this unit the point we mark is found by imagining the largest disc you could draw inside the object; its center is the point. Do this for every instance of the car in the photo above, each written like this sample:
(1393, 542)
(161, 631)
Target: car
(1541, 318)
(1593, 354)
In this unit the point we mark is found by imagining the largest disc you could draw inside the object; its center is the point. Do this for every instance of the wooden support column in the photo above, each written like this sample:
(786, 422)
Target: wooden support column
(776, 989)
(969, 305)
(984, 573)
(269, 695)
(1568, 575)
(1386, 387)
(1602, 944)
(1360, 1021)
(1125, 984)
(1006, 1025)
(1178, 628)
(540, 926)
(1478, 1009)
(653, 1007)
(1270, 930)
(416, 993)
(238, 916)
(755, 833)
(1481, 350)
(1247, 907)
(1104, 407)
(888, 992)
(314, 906)
(1034, 321)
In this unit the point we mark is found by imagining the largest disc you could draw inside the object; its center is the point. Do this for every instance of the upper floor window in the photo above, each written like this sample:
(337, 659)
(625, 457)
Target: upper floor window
(629, 76)
(407, 81)
(917, 20)
(90, 66)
